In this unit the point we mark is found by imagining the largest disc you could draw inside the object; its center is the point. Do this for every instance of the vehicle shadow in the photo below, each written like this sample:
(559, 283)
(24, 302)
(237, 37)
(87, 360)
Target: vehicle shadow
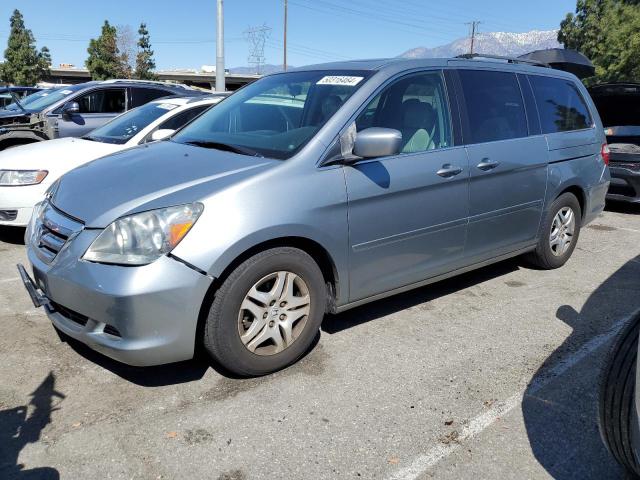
(561, 412)
(372, 311)
(12, 235)
(18, 429)
(160, 376)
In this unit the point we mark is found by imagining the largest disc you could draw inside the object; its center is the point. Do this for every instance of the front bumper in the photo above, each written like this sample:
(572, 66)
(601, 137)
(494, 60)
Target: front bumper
(18, 202)
(140, 316)
(625, 184)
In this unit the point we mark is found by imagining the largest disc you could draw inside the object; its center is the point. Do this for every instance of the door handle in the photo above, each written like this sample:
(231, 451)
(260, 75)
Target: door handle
(485, 165)
(448, 171)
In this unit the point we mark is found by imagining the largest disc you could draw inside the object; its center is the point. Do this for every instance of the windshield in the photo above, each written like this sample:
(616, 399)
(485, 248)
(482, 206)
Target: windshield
(276, 116)
(121, 129)
(41, 100)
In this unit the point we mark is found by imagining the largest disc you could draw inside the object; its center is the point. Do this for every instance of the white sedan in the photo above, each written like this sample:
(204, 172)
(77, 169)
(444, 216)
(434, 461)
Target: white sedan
(28, 170)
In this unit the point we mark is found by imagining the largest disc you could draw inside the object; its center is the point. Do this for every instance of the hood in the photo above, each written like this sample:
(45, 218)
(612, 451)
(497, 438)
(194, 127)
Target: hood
(57, 156)
(11, 118)
(151, 176)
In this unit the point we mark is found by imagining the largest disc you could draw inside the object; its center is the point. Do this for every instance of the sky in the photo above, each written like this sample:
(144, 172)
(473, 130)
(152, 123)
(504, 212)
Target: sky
(183, 33)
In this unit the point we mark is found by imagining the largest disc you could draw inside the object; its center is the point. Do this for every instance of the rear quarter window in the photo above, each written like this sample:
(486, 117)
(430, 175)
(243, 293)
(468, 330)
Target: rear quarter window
(560, 105)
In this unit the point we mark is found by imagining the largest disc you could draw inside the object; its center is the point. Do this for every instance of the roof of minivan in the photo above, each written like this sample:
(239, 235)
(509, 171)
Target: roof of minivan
(400, 64)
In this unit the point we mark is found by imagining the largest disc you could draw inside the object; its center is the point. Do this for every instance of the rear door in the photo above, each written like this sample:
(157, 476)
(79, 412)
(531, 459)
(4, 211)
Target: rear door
(96, 108)
(508, 166)
(407, 212)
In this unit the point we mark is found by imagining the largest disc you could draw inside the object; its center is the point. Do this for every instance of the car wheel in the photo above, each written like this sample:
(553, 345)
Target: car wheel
(618, 414)
(559, 233)
(267, 312)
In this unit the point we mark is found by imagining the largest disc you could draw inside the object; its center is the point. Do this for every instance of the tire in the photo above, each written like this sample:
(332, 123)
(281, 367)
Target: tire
(222, 332)
(617, 398)
(544, 256)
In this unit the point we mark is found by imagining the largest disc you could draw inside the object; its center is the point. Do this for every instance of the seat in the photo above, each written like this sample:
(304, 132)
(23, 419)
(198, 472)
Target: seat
(418, 126)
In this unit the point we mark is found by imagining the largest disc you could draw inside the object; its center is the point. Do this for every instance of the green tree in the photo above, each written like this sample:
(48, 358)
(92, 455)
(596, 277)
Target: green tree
(23, 64)
(145, 64)
(608, 32)
(105, 60)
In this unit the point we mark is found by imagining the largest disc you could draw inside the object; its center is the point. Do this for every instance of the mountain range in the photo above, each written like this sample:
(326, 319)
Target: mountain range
(494, 43)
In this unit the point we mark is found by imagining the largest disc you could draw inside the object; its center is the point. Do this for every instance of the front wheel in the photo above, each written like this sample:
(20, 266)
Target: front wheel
(559, 232)
(618, 416)
(267, 312)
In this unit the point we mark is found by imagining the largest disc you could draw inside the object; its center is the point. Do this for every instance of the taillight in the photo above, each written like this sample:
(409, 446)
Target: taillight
(606, 153)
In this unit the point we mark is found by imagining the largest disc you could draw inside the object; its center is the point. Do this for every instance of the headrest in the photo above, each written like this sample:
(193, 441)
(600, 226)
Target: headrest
(417, 114)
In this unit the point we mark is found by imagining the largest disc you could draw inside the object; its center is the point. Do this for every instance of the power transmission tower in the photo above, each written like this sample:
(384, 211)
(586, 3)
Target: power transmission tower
(257, 37)
(473, 27)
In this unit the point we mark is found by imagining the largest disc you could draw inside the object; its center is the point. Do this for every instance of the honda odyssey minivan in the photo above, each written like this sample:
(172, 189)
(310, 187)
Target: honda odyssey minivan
(311, 192)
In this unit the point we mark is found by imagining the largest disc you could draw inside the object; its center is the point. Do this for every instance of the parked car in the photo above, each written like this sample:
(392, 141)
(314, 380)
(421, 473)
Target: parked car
(619, 108)
(9, 95)
(28, 171)
(76, 110)
(312, 191)
(619, 399)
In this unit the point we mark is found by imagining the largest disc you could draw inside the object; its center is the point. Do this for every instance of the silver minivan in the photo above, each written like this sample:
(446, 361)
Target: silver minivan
(311, 192)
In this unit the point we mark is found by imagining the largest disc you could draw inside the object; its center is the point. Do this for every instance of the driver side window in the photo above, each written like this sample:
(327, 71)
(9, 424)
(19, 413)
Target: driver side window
(416, 106)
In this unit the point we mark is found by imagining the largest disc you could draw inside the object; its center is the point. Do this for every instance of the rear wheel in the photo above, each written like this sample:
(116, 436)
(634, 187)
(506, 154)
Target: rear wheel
(618, 417)
(559, 232)
(266, 313)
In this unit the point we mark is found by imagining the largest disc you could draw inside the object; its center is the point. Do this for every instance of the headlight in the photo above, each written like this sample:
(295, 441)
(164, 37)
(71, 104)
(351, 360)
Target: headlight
(12, 178)
(144, 237)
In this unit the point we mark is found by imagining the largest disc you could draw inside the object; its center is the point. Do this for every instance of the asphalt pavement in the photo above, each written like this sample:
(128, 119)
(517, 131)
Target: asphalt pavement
(489, 375)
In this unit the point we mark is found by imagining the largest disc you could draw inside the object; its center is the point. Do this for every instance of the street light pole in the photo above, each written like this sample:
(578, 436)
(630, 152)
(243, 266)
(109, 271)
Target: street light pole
(220, 75)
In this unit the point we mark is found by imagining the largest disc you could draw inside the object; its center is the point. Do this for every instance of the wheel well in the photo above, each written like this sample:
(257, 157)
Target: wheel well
(579, 194)
(314, 249)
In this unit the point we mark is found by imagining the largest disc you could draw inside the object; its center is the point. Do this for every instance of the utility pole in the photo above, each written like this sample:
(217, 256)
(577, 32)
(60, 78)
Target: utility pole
(284, 64)
(220, 75)
(474, 30)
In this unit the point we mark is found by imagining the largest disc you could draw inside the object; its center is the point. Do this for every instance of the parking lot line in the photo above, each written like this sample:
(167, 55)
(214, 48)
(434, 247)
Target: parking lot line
(423, 463)
(9, 280)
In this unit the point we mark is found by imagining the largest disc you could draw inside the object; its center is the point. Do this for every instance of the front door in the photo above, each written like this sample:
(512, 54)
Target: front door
(407, 213)
(508, 167)
(96, 109)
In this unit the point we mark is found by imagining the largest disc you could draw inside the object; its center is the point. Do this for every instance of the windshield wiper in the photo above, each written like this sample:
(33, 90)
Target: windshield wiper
(17, 101)
(90, 138)
(226, 147)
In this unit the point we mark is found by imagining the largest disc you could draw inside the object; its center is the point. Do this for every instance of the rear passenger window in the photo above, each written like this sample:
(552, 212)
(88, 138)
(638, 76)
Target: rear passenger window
(416, 106)
(141, 96)
(495, 108)
(560, 105)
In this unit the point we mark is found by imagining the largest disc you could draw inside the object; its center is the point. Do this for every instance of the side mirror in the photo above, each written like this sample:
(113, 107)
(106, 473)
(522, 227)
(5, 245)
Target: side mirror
(71, 108)
(377, 142)
(161, 134)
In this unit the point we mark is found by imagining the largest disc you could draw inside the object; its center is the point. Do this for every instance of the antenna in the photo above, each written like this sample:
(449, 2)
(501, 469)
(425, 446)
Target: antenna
(257, 37)
(474, 30)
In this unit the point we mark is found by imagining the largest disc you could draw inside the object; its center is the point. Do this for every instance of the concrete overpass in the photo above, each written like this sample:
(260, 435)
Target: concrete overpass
(203, 80)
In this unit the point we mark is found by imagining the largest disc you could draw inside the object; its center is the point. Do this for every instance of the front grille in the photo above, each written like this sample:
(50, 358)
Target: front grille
(8, 215)
(52, 229)
(633, 166)
(75, 317)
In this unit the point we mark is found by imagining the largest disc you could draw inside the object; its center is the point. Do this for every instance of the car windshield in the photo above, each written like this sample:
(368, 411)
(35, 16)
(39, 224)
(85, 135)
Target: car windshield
(276, 116)
(41, 100)
(121, 129)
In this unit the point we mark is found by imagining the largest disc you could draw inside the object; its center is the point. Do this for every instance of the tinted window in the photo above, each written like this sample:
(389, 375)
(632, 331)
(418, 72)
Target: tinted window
(145, 95)
(560, 105)
(275, 116)
(495, 107)
(417, 107)
(181, 119)
(103, 101)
